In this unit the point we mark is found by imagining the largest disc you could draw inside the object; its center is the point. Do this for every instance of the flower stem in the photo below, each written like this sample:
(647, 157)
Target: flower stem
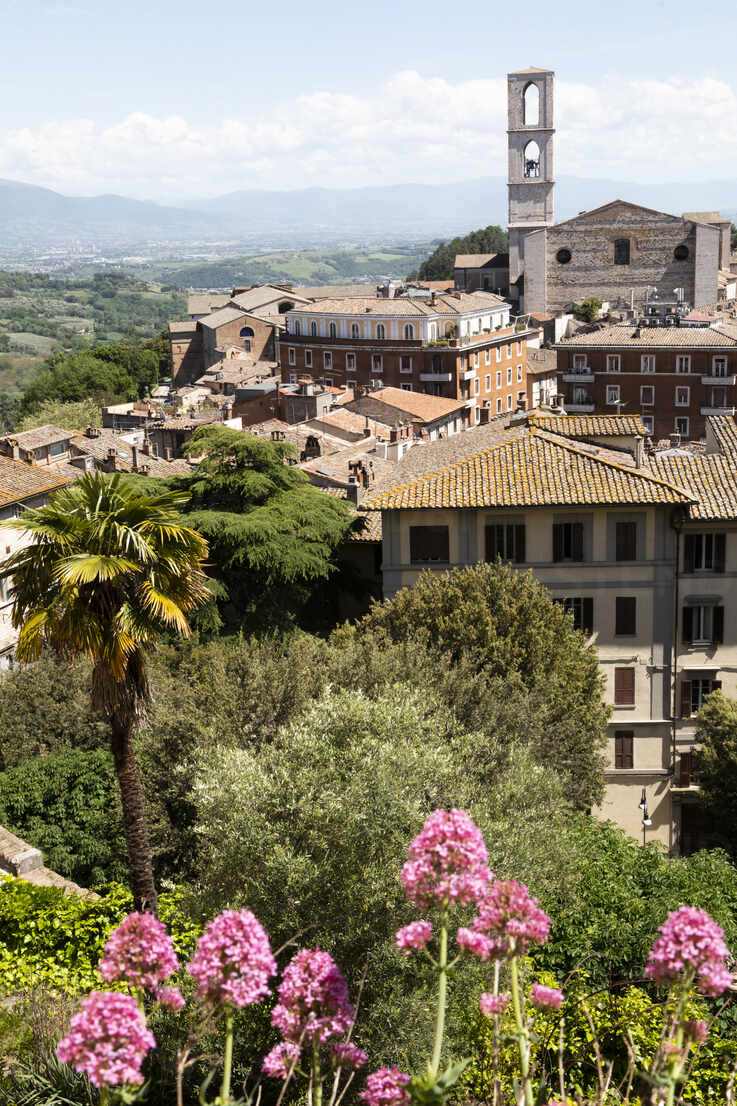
(442, 997)
(316, 1073)
(227, 1059)
(522, 1041)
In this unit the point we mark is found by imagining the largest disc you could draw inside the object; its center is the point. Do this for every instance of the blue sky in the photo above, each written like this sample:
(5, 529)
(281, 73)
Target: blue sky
(168, 101)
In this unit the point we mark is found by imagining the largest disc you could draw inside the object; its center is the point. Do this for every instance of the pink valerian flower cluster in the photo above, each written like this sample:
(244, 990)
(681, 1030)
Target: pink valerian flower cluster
(690, 947)
(508, 922)
(447, 862)
(695, 1031)
(233, 963)
(414, 936)
(313, 1004)
(386, 1087)
(139, 952)
(282, 1059)
(546, 997)
(171, 997)
(107, 1040)
(493, 1005)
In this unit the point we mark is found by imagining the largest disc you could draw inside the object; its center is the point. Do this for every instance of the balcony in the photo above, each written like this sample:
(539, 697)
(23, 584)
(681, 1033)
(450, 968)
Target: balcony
(717, 411)
(579, 376)
(468, 374)
(587, 408)
(719, 381)
(436, 378)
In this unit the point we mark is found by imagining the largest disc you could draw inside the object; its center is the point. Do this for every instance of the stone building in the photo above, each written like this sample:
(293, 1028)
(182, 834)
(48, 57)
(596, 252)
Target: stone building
(674, 377)
(481, 272)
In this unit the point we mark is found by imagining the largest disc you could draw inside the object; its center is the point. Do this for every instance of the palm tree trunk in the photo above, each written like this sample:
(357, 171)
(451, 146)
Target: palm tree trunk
(134, 815)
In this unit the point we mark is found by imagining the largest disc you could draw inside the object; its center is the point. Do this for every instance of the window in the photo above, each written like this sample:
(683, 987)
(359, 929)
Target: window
(579, 361)
(680, 253)
(567, 541)
(703, 623)
(647, 395)
(499, 379)
(429, 543)
(292, 356)
(499, 405)
(563, 256)
(531, 105)
(519, 347)
(476, 360)
(355, 333)
(313, 329)
(531, 159)
(582, 611)
(308, 358)
(625, 541)
(246, 332)
(621, 251)
(704, 552)
(327, 360)
(580, 396)
(719, 397)
(510, 402)
(623, 748)
(433, 332)
(405, 364)
(624, 687)
(292, 378)
(409, 332)
(498, 353)
(487, 382)
(377, 363)
(509, 350)
(694, 692)
(682, 426)
(719, 366)
(297, 326)
(350, 362)
(380, 330)
(683, 363)
(683, 396)
(519, 374)
(476, 386)
(332, 331)
(612, 394)
(613, 363)
(509, 374)
(647, 363)
(625, 615)
(406, 387)
(649, 423)
(328, 381)
(505, 540)
(476, 415)
(57, 447)
(487, 357)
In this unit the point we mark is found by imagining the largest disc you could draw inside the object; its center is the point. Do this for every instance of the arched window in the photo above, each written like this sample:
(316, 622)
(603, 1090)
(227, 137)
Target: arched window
(332, 331)
(409, 332)
(531, 102)
(297, 326)
(284, 306)
(621, 251)
(354, 330)
(380, 330)
(246, 332)
(313, 329)
(532, 159)
(433, 332)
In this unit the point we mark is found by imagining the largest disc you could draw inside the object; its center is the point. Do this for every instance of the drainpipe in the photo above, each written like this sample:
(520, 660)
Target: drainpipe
(678, 517)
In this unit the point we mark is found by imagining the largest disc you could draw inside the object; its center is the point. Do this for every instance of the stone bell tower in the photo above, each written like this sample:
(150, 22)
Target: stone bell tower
(531, 181)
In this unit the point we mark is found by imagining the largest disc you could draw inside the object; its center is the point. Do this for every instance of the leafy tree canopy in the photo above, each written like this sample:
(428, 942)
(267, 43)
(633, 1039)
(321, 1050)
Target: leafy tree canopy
(588, 310)
(716, 765)
(439, 265)
(69, 416)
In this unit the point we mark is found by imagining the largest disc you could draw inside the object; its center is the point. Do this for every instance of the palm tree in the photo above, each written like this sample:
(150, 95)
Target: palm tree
(109, 569)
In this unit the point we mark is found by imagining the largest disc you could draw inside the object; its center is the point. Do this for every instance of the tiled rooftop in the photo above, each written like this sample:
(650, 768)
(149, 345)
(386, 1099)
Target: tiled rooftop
(590, 426)
(388, 405)
(39, 436)
(220, 318)
(709, 479)
(459, 303)
(652, 337)
(203, 303)
(723, 430)
(20, 481)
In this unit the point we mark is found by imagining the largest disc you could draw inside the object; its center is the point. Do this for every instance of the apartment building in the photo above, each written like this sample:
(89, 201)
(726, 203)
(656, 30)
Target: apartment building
(455, 345)
(641, 549)
(673, 377)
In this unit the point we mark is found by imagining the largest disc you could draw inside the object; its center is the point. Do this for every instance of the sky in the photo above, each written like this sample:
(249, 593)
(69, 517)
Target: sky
(176, 101)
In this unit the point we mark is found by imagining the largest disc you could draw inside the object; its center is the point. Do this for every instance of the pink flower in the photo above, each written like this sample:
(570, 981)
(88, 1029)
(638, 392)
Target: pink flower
(282, 1059)
(313, 999)
(475, 943)
(414, 936)
(511, 919)
(344, 1054)
(139, 952)
(690, 948)
(232, 963)
(447, 861)
(170, 997)
(386, 1087)
(695, 1031)
(543, 997)
(107, 1040)
(492, 1005)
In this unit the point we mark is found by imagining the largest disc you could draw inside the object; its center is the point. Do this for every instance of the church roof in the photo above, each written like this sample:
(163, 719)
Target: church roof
(618, 203)
(530, 69)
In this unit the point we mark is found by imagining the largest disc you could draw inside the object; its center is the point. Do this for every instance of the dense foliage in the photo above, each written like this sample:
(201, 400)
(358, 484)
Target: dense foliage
(439, 265)
(124, 370)
(76, 415)
(716, 766)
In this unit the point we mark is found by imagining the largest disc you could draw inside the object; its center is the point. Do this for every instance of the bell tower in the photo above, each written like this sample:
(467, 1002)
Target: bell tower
(531, 181)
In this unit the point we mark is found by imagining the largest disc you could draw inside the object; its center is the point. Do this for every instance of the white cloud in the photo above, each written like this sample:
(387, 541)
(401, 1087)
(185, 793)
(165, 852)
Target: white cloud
(411, 128)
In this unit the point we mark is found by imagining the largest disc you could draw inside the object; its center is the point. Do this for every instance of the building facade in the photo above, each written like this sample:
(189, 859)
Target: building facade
(675, 378)
(460, 346)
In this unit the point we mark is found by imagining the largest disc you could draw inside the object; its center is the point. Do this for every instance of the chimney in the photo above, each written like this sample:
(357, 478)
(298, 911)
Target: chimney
(675, 440)
(354, 491)
(14, 449)
(639, 441)
(135, 458)
(522, 403)
(433, 298)
(393, 434)
(146, 447)
(168, 453)
(110, 462)
(92, 432)
(145, 470)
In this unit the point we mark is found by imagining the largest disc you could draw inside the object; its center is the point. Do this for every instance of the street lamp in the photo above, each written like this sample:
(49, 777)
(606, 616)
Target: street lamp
(646, 820)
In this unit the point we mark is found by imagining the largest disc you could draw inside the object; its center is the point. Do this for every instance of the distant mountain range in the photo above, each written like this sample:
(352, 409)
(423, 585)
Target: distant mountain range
(34, 218)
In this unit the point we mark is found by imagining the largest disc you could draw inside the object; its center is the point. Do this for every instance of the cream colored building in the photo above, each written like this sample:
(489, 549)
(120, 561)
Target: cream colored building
(642, 549)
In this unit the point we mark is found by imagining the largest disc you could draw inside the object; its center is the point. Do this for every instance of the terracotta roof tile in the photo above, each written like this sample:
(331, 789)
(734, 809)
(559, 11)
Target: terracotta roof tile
(39, 436)
(445, 304)
(711, 480)
(590, 426)
(651, 337)
(19, 481)
(724, 432)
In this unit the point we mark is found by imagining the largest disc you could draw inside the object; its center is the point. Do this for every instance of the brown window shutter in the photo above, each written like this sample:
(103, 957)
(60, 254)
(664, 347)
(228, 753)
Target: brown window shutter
(717, 632)
(577, 541)
(490, 533)
(685, 698)
(519, 543)
(624, 687)
(720, 550)
(687, 628)
(688, 553)
(685, 769)
(623, 749)
(557, 542)
(588, 617)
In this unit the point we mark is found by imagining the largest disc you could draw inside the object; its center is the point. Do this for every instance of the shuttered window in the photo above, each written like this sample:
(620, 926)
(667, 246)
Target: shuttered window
(685, 770)
(694, 692)
(626, 541)
(624, 687)
(703, 624)
(567, 541)
(625, 615)
(429, 543)
(505, 540)
(582, 610)
(704, 552)
(624, 741)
